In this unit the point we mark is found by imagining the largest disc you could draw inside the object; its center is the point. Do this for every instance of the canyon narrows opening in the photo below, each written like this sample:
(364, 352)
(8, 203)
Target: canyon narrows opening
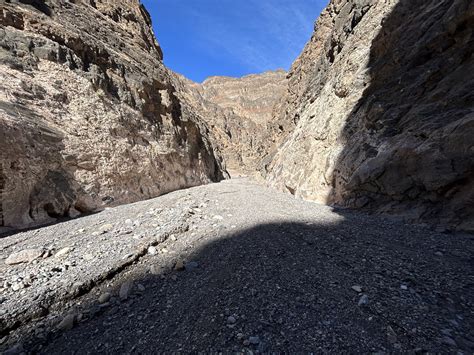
(326, 209)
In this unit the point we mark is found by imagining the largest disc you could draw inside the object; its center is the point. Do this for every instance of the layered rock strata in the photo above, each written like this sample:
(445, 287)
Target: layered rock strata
(89, 116)
(238, 111)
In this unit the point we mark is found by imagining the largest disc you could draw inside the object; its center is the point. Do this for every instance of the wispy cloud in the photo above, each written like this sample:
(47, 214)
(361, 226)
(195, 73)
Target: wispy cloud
(261, 34)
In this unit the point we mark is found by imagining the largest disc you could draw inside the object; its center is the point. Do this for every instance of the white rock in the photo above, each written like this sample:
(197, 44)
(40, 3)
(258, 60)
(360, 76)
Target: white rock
(63, 252)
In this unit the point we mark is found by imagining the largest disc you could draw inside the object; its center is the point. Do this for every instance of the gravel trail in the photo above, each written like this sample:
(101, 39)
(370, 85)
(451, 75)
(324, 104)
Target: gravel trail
(236, 267)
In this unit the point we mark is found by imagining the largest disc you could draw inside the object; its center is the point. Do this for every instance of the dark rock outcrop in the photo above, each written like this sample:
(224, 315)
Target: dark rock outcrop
(89, 116)
(379, 112)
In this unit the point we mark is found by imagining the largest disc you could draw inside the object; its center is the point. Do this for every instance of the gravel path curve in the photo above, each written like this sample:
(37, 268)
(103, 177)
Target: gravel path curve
(236, 267)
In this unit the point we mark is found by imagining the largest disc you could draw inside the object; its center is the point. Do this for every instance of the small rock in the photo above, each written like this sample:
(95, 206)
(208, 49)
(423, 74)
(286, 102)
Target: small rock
(357, 288)
(106, 228)
(363, 300)
(217, 217)
(62, 252)
(173, 238)
(88, 257)
(140, 287)
(17, 286)
(104, 298)
(125, 290)
(254, 340)
(152, 250)
(179, 266)
(191, 266)
(404, 287)
(246, 342)
(240, 336)
(155, 270)
(24, 256)
(15, 350)
(438, 253)
(391, 335)
(67, 323)
(449, 341)
(231, 320)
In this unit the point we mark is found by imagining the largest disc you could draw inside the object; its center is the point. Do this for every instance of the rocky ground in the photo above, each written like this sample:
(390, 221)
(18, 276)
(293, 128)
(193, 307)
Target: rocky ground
(235, 267)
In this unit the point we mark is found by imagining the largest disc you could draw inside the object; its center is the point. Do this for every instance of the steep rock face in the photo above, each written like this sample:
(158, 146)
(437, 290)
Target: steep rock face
(379, 112)
(88, 113)
(238, 111)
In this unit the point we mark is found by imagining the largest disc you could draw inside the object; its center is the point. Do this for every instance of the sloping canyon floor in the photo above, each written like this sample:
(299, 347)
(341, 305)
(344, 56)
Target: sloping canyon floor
(234, 266)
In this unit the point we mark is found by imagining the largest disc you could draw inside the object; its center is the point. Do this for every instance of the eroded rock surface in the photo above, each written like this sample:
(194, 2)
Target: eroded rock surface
(88, 113)
(238, 111)
(379, 112)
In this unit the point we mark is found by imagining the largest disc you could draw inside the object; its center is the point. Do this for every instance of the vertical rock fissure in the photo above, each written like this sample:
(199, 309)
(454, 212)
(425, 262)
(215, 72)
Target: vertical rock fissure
(2, 187)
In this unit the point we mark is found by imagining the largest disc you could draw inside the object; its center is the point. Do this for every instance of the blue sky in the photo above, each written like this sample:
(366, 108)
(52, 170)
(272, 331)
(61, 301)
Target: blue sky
(202, 38)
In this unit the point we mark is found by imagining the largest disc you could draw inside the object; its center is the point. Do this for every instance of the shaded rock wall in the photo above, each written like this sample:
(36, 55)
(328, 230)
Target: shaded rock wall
(238, 111)
(379, 112)
(89, 116)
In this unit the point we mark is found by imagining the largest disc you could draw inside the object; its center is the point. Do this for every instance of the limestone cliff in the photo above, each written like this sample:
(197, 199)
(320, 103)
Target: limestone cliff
(379, 111)
(238, 111)
(88, 114)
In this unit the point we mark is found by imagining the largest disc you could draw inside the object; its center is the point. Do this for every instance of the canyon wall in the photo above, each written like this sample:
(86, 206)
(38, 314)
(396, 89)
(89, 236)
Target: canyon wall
(238, 111)
(89, 116)
(379, 111)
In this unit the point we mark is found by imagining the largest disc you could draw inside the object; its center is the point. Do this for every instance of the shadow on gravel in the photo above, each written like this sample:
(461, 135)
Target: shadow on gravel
(294, 287)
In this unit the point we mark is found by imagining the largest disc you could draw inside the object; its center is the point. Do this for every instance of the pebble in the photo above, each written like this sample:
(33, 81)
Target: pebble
(179, 266)
(88, 257)
(254, 340)
(125, 290)
(67, 323)
(24, 256)
(404, 287)
(231, 320)
(104, 298)
(449, 341)
(106, 228)
(191, 266)
(152, 250)
(62, 252)
(438, 253)
(155, 270)
(363, 300)
(357, 288)
(17, 286)
(140, 287)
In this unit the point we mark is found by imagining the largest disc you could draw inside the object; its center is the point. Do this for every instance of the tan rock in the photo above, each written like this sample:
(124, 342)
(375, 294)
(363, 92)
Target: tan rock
(89, 116)
(24, 256)
(237, 111)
